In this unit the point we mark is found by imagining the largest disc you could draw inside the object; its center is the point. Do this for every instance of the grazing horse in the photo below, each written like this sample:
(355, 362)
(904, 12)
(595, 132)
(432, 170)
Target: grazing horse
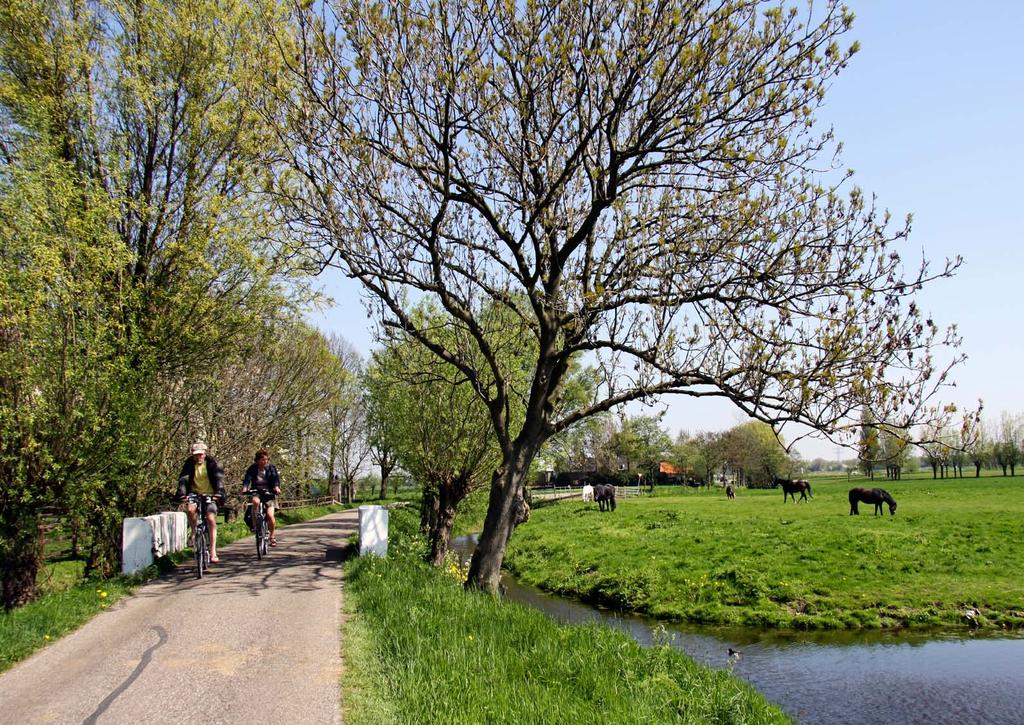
(588, 493)
(791, 488)
(877, 496)
(604, 494)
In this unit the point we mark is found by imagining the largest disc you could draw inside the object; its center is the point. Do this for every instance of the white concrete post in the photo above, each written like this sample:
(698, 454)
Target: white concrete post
(147, 537)
(136, 545)
(373, 530)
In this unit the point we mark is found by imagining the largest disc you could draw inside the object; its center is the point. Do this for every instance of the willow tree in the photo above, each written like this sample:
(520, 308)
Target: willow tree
(639, 182)
(440, 434)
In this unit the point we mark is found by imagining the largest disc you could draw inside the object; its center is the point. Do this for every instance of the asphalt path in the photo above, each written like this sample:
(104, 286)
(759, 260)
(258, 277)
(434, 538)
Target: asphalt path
(253, 642)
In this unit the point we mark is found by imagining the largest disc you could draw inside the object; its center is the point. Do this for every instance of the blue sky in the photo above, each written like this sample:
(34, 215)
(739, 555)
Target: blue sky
(931, 115)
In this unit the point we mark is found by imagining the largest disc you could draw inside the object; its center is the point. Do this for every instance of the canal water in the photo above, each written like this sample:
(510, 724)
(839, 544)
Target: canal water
(835, 677)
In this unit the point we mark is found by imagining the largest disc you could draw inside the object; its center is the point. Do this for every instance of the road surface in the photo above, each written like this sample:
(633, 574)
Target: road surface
(253, 642)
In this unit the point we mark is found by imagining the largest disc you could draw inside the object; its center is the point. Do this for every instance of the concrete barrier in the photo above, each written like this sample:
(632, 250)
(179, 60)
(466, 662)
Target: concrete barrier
(373, 530)
(145, 538)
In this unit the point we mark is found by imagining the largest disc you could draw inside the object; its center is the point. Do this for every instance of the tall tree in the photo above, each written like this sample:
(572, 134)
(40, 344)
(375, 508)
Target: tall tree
(869, 448)
(634, 181)
(382, 450)
(347, 447)
(893, 450)
(1006, 448)
(273, 396)
(755, 454)
(146, 108)
(65, 414)
(979, 449)
(437, 426)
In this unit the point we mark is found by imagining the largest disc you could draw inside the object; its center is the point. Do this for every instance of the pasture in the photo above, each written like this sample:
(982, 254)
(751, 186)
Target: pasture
(953, 555)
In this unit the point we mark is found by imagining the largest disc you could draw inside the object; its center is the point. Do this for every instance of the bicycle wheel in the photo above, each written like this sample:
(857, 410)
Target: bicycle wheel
(200, 545)
(259, 536)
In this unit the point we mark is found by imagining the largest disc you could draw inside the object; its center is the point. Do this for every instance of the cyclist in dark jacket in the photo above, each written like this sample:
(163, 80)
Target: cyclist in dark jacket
(200, 474)
(262, 482)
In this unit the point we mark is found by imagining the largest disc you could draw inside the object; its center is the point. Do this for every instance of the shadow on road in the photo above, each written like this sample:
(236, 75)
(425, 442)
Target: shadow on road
(306, 558)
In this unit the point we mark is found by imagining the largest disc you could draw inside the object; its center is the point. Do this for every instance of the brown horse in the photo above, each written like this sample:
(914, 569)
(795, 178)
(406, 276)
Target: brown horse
(791, 488)
(877, 496)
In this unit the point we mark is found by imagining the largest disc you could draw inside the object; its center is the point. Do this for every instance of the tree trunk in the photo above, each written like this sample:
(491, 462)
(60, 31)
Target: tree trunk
(104, 527)
(75, 524)
(20, 559)
(385, 474)
(428, 511)
(444, 519)
(977, 470)
(506, 509)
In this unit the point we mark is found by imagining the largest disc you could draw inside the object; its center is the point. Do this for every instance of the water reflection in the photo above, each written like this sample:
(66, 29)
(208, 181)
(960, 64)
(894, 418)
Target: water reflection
(836, 677)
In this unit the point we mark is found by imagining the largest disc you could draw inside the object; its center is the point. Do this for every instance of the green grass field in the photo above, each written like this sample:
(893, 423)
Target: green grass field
(418, 648)
(954, 546)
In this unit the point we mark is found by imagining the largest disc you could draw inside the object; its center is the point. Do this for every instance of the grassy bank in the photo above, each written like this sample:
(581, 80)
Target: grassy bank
(952, 556)
(419, 649)
(68, 602)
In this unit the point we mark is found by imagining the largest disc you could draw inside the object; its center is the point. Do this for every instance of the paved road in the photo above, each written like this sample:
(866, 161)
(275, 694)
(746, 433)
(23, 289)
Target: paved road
(187, 650)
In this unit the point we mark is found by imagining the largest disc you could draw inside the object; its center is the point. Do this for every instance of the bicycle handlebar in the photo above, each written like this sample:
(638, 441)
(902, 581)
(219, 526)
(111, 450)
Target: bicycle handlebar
(195, 497)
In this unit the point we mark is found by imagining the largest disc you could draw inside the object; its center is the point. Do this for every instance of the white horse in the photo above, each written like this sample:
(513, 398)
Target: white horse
(588, 493)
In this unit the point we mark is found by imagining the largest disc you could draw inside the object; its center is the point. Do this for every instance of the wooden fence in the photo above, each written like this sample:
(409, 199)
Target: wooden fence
(301, 502)
(564, 494)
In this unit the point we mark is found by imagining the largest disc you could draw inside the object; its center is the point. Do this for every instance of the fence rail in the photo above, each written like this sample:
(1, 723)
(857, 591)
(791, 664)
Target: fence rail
(302, 502)
(559, 494)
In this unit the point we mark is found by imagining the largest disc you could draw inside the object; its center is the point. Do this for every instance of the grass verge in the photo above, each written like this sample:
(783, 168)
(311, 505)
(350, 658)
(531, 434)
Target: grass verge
(68, 602)
(431, 652)
(951, 556)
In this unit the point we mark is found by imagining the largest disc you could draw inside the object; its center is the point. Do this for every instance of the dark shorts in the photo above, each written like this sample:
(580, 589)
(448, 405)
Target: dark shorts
(266, 498)
(206, 505)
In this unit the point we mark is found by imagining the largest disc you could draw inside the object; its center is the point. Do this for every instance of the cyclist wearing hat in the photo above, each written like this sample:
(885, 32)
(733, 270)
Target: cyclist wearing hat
(201, 475)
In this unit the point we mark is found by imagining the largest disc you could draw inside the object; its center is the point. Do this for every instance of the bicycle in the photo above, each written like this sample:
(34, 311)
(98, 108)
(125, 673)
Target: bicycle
(259, 524)
(201, 545)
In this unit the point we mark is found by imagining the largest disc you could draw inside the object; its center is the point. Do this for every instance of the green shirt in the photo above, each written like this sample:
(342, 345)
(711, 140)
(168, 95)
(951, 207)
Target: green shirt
(201, 481)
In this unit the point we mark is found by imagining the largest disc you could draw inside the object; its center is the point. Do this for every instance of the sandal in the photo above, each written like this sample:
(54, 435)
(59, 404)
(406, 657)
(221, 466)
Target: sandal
(273, 542)
(215, 560)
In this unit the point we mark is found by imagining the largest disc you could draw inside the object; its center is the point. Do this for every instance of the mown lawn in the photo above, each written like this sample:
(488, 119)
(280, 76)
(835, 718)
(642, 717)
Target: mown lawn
(953, 546)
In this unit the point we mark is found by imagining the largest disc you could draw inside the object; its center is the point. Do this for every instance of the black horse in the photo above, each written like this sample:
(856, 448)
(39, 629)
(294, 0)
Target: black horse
(790, 488)
(604, 494)
(877, 496)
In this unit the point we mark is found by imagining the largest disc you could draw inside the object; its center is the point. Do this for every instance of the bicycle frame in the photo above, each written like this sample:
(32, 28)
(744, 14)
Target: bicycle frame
(201, 545)
(259, 524)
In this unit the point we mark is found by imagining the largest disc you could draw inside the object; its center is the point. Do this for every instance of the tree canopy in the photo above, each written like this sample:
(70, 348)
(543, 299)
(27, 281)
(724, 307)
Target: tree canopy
(140, 257)
(637, 182)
